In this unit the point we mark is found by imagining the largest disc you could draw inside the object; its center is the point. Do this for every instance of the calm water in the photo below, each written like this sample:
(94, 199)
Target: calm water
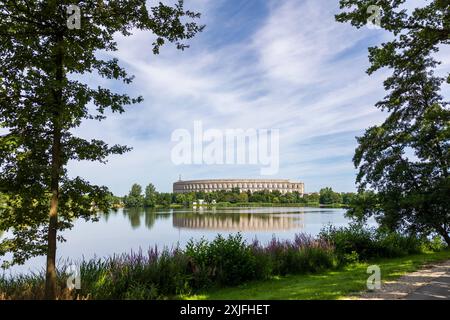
(125, 230)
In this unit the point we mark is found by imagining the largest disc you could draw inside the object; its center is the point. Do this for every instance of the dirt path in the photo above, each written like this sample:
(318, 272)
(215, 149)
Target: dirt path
(432, 282)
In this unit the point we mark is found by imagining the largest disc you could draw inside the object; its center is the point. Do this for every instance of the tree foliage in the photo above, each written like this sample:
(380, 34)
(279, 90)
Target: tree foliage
(153, 198)
(406, 158)
(134, 199)
(328, 196)
(150, 196)
(43, 98)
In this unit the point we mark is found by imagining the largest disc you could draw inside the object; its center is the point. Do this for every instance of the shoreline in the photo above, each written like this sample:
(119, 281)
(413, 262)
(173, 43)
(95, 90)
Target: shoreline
(244, 205)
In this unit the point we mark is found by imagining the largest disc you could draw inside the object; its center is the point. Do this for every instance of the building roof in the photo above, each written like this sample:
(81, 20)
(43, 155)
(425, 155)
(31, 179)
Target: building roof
(234, 180)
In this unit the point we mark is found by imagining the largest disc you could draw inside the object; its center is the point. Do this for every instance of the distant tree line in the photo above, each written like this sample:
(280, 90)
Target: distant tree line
(151, 198)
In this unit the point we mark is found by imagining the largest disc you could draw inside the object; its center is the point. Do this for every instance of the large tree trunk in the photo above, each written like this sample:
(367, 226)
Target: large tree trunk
(51, 277)
(446, 237)
(442, 231)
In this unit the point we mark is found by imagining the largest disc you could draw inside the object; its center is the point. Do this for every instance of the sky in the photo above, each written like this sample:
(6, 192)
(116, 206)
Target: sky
(259, 64)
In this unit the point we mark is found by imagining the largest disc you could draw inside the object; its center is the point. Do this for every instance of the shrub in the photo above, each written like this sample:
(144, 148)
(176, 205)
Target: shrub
(317, 259)
(157, 274)
(201, 268)
(139, 291)
(435, 244)
(351, 239)
(233, 259)
(352, 257)
(263, 262)
(304, 254)
(223, 261)
(355, 242)
(392, 244)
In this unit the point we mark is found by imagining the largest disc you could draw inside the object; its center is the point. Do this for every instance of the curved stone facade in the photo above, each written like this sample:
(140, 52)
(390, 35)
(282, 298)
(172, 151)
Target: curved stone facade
(253, 185)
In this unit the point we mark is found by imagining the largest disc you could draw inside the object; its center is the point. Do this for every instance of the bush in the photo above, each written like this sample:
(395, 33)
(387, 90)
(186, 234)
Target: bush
(305, 254)
(350, 240)
(139, 291)
(224, 261)
(355, 242)
(263, 261)
(392, 245)
(199, 261)
(233, 260)
(352, 257)
(435, 244)
(221, 262)
(126, 276)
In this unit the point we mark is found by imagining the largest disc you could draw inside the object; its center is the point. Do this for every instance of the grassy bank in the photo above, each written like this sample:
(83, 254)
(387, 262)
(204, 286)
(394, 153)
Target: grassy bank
(327, 285)
(270, 204)
(168, 273)
(305, 267)
(253, 204)
(249, 204)
(171, 206)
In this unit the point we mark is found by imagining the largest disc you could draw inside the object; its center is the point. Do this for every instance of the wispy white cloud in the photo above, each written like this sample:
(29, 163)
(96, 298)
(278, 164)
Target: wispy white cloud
(298, 71)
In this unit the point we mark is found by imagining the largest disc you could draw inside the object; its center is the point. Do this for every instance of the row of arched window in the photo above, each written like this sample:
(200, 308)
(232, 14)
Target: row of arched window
(244, 186)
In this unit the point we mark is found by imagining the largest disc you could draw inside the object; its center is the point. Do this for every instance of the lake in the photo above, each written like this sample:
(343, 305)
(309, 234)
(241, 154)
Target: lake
(131, 229)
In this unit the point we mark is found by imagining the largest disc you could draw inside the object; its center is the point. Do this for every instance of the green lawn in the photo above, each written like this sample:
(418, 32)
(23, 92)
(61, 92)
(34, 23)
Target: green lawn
(329, 285)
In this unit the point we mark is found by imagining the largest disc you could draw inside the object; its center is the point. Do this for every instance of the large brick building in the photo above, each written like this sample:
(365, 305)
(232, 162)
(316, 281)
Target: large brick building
(253, 185)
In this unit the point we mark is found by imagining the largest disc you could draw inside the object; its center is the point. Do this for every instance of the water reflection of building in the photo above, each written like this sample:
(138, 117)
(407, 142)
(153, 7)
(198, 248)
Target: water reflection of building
(248, 222)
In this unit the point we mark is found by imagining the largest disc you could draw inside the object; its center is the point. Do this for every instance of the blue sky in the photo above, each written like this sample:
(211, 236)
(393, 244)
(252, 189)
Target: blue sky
(283, 64)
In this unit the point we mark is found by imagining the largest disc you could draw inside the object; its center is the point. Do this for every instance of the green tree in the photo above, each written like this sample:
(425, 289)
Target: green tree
(210, 196)
(3, 201)
(113, 201)
(134, 199)
(405, 159)
(312, 197)
(181, 198)
(347, 197)
(200, 195)
(43, 98)
(242, 197)
(328, 196)
(164, 199)
(150, 196)
(190, 197)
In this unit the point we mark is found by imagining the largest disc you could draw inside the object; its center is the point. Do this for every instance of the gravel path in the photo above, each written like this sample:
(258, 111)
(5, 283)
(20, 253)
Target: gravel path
(432, 282)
